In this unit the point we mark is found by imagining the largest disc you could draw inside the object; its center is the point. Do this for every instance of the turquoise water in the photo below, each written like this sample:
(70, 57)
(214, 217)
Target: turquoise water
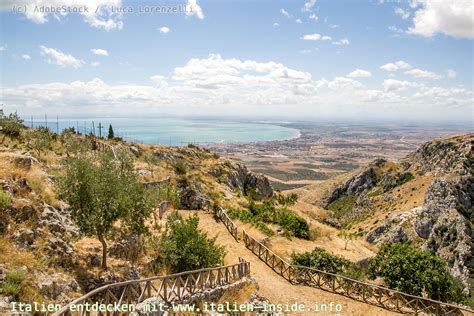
(175, 131)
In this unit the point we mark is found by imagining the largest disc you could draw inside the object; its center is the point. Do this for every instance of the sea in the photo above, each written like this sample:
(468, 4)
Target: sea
(173, 131)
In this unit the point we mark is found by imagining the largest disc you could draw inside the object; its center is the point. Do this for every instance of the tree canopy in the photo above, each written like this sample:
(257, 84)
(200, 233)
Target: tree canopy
(414, 271)
(102, 190)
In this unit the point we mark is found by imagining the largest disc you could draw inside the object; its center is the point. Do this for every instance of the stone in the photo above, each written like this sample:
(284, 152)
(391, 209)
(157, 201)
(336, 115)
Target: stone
(62, 251)
(25, 237)
(135, 151)
(25, 161)
(55, 284)
(58, 221)
(127, 248)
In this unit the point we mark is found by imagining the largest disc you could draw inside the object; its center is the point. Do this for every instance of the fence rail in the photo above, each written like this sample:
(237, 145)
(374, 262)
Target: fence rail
(228, 223)
(167, 288)
(368, 293)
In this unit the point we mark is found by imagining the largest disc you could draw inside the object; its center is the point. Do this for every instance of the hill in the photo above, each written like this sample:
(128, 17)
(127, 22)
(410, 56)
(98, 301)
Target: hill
(46, 256)
(425, 199)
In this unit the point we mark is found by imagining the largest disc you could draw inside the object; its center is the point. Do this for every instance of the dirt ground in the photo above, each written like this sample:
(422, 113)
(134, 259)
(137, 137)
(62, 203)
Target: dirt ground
(274, 287)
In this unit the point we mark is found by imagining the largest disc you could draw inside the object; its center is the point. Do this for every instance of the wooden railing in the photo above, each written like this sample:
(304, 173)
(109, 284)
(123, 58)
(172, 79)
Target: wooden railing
(167, 288)
(361, 291)
(228, 223)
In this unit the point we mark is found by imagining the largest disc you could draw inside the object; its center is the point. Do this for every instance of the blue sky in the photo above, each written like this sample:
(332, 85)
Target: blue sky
(294, 58)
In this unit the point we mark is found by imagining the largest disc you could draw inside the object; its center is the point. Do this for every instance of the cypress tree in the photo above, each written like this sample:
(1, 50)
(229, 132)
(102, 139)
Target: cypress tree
(111, 132)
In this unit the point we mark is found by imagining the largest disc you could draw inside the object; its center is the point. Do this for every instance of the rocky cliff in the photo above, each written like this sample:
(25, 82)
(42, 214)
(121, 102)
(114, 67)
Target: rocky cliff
(425, 199)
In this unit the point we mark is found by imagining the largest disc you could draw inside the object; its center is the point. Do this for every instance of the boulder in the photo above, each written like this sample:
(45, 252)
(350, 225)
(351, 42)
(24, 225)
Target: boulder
(135, 151)
(25, 161)
(192, 198)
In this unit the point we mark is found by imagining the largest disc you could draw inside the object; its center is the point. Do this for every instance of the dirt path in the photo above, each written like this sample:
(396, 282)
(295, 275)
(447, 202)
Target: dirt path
(273, 286)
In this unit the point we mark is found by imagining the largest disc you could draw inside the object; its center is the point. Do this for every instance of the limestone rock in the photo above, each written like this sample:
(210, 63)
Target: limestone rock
(135, 151)
(58, 221)
(127, 248)
(25, 161)
(53, 285)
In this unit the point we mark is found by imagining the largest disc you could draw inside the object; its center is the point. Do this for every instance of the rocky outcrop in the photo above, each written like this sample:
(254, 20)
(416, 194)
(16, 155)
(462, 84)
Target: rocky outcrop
(61, 252)
(127, 248)
(444, 156)
(55, 285)
(25, 161)
(58, 221)
(247, 182)
(392, 230)
(440, 225)
(358, 184)
(362, 206)
(191, 197)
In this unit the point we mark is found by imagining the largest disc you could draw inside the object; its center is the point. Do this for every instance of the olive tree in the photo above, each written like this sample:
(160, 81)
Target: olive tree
(102, 190)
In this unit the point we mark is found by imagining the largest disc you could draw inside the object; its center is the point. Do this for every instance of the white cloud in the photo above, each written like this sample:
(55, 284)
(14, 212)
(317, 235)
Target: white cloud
(399, 65)
(451, 73)
(395, 29)
(305, 51)
(343, 41)
(95, 64)
(397, 85)
(284, 12)
(418, 73)
(56, 57)
(312, 37)
(450, 17)
(3, 48)
(404, 14)
(276, 24)
(360, 73)
(25, 57)
(335, 26)
(308, 6)
(159, 81)
(164, 29)
(313, 16)
(234, 86)
(193, 9)
(298, 21)
(99, 52)
(316, 37)
(96, 13)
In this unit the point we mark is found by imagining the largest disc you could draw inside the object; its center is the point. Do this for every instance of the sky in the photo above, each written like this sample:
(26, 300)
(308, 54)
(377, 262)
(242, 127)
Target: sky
(307, 59)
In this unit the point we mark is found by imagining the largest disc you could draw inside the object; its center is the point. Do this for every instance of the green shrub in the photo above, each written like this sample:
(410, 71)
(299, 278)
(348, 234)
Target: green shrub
(11, 125)
(260, 214)
(342, 205)
(13, 282)
(414, 271)
(180, 167)
(40, 139)
(292, 223)
(184, 247)
(404, 178)
(5, 200)
(322, 260)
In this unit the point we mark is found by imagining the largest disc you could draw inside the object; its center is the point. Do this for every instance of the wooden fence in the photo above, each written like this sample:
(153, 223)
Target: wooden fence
(228, 223)
(368, 293)
(167, 288)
